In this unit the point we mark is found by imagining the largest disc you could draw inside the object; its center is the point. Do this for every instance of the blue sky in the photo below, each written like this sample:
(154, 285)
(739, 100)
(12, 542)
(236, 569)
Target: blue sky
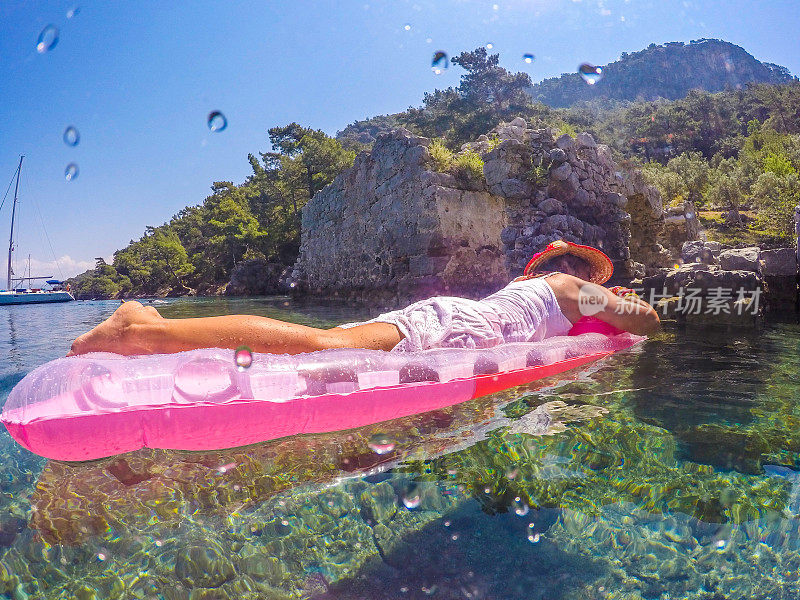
(137, 79)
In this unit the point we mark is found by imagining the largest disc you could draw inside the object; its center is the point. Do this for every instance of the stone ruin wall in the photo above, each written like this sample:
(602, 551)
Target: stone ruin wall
(390, 229)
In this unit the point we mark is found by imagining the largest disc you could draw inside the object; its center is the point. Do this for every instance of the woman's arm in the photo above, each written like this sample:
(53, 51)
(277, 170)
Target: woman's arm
(578, 298)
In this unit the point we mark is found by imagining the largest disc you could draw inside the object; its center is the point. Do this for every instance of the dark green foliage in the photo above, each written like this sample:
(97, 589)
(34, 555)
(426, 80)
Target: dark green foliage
(101, 282)
(486, 95)
(259, 219)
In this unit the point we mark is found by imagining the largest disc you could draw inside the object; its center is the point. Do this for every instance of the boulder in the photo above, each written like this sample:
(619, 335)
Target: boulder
(562, 172)
(742, 259)
(636, 269)
(565, 142)
(509, 235)
(779, 263)
(585, 140)
(495, 171)
(515, 188)
(701, 251)
(707, 278)
(616, 199)
(551, 206)
(558, 156)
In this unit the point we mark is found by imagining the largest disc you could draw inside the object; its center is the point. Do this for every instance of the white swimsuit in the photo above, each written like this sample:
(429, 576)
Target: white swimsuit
(523, 311)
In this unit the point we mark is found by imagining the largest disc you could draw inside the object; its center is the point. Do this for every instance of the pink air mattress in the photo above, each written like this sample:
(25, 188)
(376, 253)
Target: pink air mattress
(98, 405)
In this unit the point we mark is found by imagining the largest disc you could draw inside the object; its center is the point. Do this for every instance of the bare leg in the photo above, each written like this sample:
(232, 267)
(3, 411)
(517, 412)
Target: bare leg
(135, 329)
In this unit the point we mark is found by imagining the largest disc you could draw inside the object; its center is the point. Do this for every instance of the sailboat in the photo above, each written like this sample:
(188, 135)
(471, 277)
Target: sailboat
(17, 292)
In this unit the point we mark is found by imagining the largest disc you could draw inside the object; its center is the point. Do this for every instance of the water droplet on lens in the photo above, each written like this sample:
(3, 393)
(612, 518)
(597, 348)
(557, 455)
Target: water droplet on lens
(520, 508)
(71, 172)
(590, 73)
(243, 357)
(454, 537)
(489, 46)
(528, 58)
(381, 443)
(411, 500)
(48, 39)
(71, 136)
(101, 556)
(447, 523)
(487, 490)
(407, 27)
(217, 121)
(440, 62)
(73, 11)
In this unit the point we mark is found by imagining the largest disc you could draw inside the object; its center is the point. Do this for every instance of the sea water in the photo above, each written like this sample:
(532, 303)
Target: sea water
(668, 471)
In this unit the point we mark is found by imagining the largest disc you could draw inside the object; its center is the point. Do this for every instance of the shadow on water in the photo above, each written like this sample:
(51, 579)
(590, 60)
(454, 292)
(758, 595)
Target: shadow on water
(474, 555)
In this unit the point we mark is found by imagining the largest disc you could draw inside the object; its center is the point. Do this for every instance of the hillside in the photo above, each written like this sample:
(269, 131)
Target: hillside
(669, 71)
(724, 151)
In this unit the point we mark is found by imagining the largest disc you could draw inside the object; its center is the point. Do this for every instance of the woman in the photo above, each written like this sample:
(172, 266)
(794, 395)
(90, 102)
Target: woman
(561, 284)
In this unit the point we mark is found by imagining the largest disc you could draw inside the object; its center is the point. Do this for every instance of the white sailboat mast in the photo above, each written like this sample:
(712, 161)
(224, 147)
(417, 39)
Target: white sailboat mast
(13, 213)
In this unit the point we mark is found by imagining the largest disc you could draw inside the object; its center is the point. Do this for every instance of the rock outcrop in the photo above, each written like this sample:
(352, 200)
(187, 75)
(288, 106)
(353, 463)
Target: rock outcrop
(724, 286)
(391, 224)
(391, 228)
(779, 271)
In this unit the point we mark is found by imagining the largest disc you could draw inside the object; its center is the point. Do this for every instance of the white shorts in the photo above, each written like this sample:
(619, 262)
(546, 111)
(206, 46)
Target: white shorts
(443, 322)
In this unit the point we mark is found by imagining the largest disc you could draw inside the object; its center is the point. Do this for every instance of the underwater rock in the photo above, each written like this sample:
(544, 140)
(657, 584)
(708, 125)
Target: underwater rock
(203, 566)
(263, 567)
(378, 503)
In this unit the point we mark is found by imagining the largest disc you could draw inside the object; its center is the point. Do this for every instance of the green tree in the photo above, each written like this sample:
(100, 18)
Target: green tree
(693, 170)
(775, 197)
(671, 185)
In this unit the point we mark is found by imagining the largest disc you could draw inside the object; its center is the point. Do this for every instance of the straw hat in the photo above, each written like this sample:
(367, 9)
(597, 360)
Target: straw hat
(600, 263)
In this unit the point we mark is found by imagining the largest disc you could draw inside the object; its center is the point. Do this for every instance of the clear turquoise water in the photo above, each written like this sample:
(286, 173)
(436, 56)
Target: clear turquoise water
(666, 472)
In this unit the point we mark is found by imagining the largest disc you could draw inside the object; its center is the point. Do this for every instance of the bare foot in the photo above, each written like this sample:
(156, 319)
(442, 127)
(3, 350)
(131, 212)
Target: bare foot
(120, 333)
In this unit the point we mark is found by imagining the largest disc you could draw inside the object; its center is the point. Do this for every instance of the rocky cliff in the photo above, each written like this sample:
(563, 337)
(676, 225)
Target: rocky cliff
(667, 71)
(394, 228)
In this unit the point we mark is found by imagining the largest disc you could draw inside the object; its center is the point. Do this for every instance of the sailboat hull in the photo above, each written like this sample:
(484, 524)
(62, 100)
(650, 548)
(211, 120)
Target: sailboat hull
(42, 297)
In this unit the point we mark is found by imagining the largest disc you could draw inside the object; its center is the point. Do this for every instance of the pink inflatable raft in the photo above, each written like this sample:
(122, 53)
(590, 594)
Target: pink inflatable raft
(98, 405)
